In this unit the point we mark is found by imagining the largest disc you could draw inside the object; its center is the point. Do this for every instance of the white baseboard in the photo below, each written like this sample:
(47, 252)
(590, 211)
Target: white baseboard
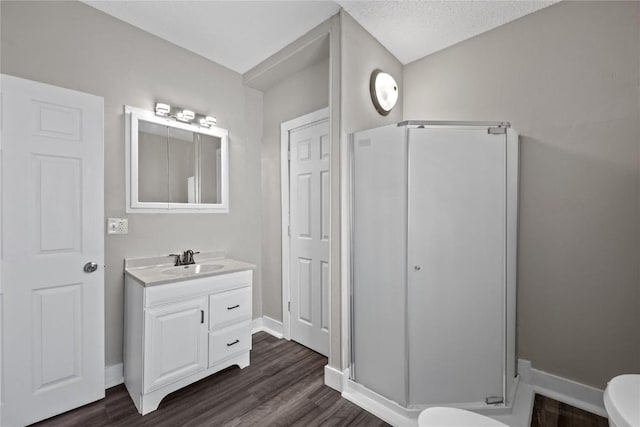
(522, 407)
(379, 406)
(564, 390)
(517, 415)
(268, 325)
(113, 375)
(333, 378)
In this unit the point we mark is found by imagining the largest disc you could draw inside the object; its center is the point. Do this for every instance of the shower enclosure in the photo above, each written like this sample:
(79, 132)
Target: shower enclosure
(433, 255)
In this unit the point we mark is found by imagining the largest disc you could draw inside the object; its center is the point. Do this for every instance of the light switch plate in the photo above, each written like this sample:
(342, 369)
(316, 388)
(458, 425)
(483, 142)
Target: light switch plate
(117, 226)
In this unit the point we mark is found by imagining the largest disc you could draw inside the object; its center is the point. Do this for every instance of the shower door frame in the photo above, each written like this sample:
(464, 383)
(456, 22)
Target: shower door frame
(346, 234)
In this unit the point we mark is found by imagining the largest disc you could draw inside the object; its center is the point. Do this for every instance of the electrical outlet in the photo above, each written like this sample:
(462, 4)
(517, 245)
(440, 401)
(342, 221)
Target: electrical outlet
(117, 226)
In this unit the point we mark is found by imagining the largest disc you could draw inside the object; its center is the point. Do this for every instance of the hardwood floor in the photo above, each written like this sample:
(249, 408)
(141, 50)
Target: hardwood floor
(283, 386)
(551, 413)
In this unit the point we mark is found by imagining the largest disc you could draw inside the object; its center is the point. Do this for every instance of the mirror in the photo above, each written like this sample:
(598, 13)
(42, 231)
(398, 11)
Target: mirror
(175, 166)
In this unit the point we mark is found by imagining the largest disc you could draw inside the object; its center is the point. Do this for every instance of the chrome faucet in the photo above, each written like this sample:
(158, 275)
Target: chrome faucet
(186, 258)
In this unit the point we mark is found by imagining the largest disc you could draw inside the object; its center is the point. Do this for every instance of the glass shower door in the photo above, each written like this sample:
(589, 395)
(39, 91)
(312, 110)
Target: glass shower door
(456, 268)
(379, 261)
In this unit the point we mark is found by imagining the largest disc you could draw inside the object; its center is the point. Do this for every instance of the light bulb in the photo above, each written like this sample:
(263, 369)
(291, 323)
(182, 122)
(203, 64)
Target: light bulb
(384, 91)
(162, 109)
(188, 115)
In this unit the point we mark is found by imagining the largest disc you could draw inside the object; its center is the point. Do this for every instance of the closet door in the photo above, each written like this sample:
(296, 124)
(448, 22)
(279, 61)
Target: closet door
(456, 269)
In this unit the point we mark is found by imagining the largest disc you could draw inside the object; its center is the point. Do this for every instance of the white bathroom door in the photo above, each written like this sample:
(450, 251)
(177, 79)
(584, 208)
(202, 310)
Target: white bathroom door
(52, 226)
(309, 210)
(456, 277)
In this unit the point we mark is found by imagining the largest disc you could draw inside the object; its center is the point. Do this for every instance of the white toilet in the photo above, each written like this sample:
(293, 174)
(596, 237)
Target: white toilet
(622, 401)
(453, 417)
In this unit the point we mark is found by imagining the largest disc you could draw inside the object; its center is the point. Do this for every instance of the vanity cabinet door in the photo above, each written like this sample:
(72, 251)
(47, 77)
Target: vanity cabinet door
(175, 342)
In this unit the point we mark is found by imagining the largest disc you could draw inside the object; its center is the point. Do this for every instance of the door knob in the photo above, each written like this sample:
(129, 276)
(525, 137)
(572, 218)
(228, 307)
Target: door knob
(90, 267)
(417, 267)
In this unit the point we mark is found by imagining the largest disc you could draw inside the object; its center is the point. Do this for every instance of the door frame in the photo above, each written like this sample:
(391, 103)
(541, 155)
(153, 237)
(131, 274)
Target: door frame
(285, 129)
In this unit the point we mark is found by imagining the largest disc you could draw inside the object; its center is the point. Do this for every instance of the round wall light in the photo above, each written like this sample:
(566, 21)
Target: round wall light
(384, 91)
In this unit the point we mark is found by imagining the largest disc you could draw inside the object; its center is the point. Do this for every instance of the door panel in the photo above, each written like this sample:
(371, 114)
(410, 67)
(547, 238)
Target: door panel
(305, 291)
(304, 208)
(324, 206)
(176, 339)
(57, 190)
(456, 274)
(324, 282)
(53, 210)
(56, 121)
(309, 201)
(57, 335)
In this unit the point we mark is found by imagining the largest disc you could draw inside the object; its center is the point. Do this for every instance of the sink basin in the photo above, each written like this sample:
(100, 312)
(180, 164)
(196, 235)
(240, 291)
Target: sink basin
(189, 270)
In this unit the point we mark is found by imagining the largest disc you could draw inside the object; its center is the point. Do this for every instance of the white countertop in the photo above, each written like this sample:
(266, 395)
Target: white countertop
(153, 271)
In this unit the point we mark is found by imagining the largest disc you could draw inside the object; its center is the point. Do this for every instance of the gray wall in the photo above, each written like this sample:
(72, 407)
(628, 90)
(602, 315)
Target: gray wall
(73, 45)
(301, 93)
(360, 55)
(567, 78)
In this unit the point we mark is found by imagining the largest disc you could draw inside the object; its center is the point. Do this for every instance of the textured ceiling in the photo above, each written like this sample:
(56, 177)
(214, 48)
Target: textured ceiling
(241, 34)
(411, 30)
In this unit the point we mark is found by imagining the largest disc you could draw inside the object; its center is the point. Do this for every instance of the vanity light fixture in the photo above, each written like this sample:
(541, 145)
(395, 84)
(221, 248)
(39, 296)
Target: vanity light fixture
(184, 115)
(208, 121)
(384, 91)
(163, 109)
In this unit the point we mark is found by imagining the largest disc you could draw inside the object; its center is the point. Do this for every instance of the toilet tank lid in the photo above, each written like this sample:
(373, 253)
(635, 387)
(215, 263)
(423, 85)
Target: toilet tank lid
(622, 399)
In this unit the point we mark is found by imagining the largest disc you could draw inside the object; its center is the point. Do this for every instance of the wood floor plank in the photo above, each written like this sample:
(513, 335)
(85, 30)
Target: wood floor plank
(291, 403)
(283, 385)
(365, 419)
(548, 412)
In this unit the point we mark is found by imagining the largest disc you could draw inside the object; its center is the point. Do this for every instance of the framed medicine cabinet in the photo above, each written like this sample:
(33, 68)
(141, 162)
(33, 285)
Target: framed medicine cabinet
(174, 167)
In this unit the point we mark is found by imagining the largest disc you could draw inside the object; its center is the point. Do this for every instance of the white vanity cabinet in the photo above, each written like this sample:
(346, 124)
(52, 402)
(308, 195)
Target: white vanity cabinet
(180, 332)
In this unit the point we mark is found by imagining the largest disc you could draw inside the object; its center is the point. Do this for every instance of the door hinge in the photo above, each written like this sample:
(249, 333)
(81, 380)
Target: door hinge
(289, 230)
(289, 155)
(289, 306)
(497, 130)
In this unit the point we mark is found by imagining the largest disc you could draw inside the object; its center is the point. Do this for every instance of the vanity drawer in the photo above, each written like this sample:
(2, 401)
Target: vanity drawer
(229, 342)
(229, 307)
